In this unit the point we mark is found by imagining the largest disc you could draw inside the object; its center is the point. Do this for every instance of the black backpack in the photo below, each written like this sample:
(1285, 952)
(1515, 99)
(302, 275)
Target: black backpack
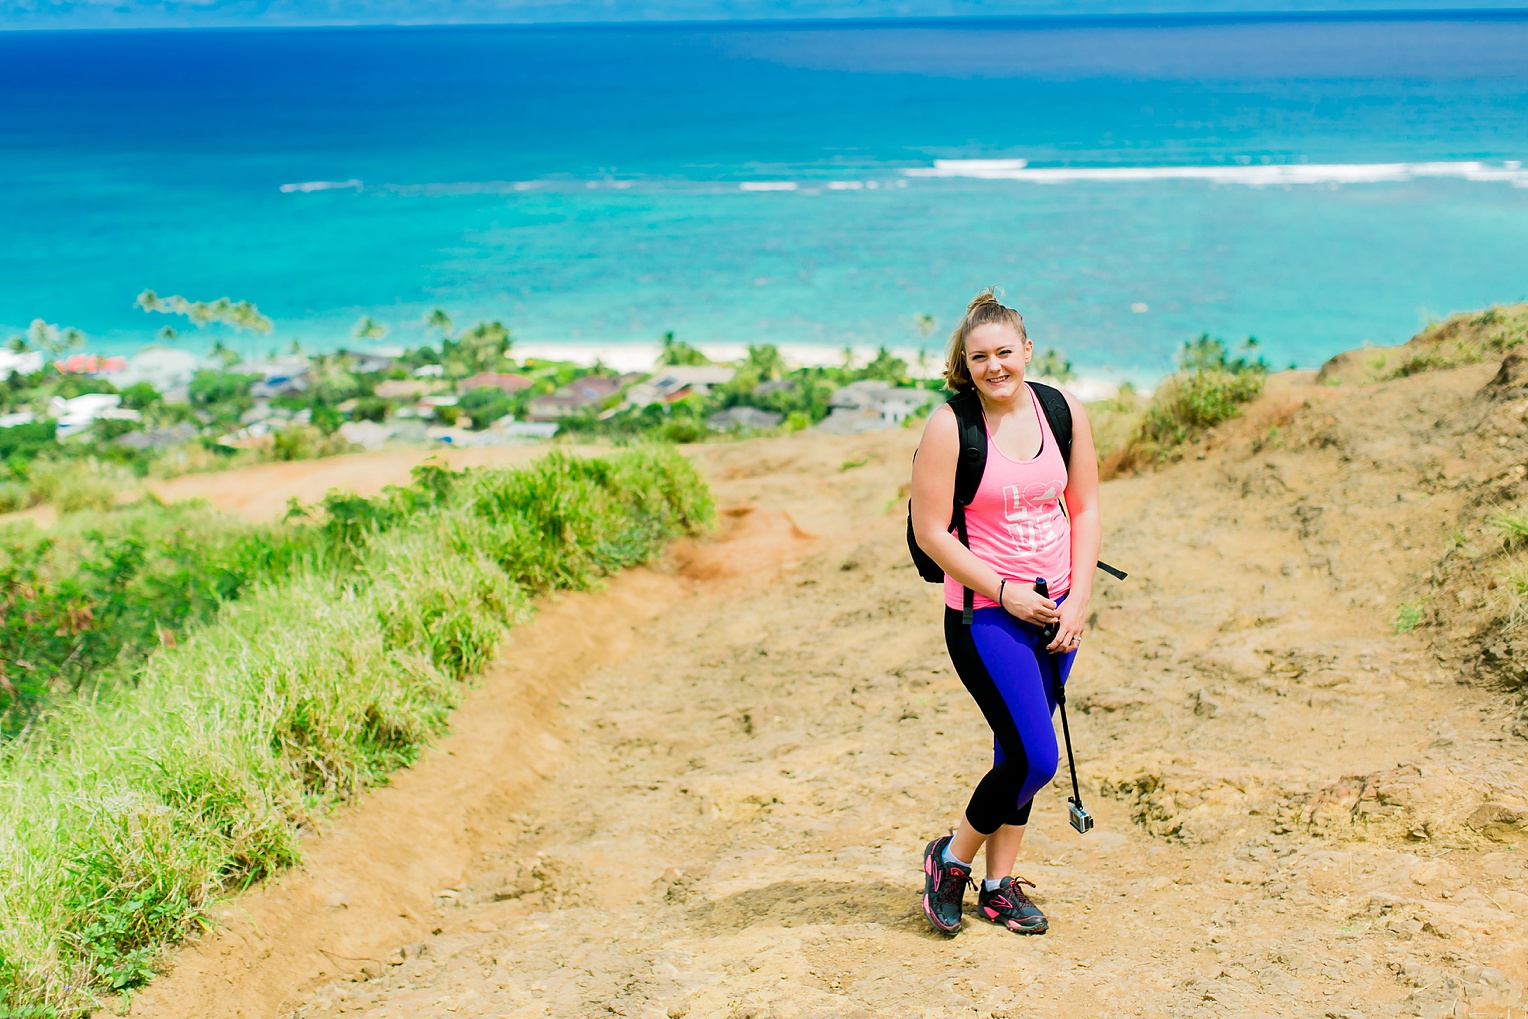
(973, 464)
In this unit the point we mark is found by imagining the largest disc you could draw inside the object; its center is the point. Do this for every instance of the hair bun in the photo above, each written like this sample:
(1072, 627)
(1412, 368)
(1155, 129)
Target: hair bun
(988, 296)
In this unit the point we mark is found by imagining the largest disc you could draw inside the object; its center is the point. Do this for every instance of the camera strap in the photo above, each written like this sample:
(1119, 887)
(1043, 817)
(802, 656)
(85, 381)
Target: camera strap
(1066, 731)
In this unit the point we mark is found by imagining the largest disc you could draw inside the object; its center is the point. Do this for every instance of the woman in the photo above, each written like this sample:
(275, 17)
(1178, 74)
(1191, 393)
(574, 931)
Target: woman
(1018, 532)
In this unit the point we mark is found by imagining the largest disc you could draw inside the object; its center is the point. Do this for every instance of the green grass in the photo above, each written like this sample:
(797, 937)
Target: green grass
(122, 818)
(88, 599)
(1210, 387)
(1512, 525)
(1408, 617)
(1460, 339)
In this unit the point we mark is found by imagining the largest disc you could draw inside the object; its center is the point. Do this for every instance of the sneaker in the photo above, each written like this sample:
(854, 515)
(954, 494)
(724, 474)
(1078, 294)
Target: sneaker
(944, 887)
(1008, 906)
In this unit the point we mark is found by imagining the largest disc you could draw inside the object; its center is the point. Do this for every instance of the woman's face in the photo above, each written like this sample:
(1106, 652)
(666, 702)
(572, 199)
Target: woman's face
(996, 358)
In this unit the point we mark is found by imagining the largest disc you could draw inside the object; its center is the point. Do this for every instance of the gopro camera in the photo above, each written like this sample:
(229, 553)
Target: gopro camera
(1081, 819)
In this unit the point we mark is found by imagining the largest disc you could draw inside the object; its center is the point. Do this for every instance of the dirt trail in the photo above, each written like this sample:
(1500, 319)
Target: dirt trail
(1299, 812)
(261, 492)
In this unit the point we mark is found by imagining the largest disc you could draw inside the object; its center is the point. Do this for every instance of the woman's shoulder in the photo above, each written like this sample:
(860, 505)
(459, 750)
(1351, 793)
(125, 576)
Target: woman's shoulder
(941, 431)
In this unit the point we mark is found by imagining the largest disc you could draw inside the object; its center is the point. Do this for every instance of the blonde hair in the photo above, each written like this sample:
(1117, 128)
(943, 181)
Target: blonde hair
(984, 309)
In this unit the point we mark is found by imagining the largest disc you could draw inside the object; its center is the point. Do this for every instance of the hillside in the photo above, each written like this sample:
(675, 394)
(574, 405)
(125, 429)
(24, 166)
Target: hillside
(703, 792)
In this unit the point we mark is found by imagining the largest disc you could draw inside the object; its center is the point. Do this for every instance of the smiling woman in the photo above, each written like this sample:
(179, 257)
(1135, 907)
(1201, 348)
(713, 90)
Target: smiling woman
(1018, 577)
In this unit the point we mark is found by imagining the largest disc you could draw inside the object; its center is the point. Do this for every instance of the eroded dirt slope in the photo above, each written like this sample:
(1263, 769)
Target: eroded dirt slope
(1300, 813)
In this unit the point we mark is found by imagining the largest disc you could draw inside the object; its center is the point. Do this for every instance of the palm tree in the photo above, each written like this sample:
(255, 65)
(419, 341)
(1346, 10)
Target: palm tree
(369, 328)
(766, 362)
(438, 319)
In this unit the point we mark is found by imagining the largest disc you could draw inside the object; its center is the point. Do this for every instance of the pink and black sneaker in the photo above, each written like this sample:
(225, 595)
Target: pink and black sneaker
(944, 887)
(1008, 906)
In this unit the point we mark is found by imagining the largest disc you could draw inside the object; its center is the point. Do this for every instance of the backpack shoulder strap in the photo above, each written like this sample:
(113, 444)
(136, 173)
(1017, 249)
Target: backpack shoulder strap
(1058, 414)
(973, 445)
(969, 469)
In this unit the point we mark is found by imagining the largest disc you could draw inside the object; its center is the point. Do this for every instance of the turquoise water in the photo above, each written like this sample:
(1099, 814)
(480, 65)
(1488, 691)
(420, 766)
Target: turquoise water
(600, 184)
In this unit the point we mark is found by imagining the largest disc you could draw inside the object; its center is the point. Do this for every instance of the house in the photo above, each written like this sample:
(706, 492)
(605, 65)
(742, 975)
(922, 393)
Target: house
(276, 377)
(76, 415)
(167, 369)
(667, 385)
(578, 397)
(504, 382)
(752, 418)
(870, 405)
(401, 389)
(369, 362)
(21, 363)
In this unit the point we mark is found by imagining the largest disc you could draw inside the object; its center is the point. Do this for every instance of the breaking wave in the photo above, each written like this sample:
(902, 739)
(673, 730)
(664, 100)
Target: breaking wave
(1260, 175)
(320, 185)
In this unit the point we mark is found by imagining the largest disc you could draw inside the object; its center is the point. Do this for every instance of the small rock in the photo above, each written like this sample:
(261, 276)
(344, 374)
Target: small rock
(338, 900)
(484, 926)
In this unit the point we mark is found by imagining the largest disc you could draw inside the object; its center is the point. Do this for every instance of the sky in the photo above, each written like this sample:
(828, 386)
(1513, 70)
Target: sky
(107, 14)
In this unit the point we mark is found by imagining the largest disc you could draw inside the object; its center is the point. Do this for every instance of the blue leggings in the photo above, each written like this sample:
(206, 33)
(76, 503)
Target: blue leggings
(1004, 664)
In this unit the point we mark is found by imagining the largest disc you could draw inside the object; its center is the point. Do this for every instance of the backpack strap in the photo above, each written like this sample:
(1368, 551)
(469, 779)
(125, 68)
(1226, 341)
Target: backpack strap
(1058, 414)
(968, 472)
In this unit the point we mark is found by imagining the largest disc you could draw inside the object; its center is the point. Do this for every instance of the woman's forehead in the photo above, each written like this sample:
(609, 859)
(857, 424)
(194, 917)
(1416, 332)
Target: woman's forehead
(989, 337)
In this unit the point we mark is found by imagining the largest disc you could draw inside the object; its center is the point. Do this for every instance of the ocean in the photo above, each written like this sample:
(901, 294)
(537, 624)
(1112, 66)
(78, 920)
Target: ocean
(1130, 183)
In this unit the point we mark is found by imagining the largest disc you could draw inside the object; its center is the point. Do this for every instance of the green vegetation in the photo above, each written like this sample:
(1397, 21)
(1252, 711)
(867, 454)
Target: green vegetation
(219, 411)
(762, 380)
(1461, 339)
(238, 314)
(1049, 364)
(123, 814)
(1209, 388)
(678, 352)
(1465, 338)
(1408, 616)
(86, 601)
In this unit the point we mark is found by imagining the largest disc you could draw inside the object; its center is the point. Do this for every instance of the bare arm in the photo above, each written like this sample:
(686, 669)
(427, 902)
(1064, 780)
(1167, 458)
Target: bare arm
(1087, 524)
(933, 493)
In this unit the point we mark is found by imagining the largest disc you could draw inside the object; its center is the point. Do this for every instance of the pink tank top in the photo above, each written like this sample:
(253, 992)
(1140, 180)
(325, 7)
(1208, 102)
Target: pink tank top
(1015, 523)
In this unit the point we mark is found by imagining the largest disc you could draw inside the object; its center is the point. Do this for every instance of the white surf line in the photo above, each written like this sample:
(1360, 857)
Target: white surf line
(320, 185)
(1260, 175)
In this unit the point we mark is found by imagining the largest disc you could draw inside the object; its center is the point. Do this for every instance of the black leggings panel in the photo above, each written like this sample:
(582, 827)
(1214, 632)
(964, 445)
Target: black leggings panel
(992, 804)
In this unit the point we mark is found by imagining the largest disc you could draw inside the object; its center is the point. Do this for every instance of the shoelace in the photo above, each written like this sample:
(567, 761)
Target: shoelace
(1013, 891)
(950, 891)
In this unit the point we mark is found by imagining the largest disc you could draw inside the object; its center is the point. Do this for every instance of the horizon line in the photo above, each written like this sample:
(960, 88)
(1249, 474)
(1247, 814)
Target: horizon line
(1143, 19)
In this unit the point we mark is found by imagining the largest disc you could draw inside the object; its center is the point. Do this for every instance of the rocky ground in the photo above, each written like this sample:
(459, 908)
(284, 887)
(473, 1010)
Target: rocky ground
(704, 792)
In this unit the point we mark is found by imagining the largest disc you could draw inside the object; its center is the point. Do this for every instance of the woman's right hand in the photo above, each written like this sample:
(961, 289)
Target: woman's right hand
(1026, 603)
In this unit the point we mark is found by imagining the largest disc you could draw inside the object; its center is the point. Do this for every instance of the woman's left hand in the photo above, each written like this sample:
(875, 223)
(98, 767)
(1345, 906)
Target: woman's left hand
(1069, 634)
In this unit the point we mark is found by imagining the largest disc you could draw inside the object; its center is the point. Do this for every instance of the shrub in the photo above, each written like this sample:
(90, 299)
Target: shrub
(1460, 339)
(86, 602)
(484, 406)
(79, 483)
(1209, 388)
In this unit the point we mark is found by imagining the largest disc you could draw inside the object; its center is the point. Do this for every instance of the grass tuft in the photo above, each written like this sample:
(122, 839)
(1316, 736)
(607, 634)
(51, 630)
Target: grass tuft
(1408, 616)
(1210, 388)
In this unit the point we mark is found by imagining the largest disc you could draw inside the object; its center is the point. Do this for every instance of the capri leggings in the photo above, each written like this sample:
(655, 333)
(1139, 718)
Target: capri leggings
(1003, 662)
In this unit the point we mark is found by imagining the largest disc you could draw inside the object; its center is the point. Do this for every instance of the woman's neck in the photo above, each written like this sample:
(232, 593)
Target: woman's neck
(998, 408)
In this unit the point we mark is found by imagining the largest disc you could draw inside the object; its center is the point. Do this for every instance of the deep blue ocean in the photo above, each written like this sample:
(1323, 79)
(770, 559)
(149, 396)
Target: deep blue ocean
(1317, 184)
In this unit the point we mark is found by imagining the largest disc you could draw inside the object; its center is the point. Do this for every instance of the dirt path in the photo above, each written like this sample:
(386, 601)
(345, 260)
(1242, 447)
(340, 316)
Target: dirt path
(1299, 813)
(261, 492)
